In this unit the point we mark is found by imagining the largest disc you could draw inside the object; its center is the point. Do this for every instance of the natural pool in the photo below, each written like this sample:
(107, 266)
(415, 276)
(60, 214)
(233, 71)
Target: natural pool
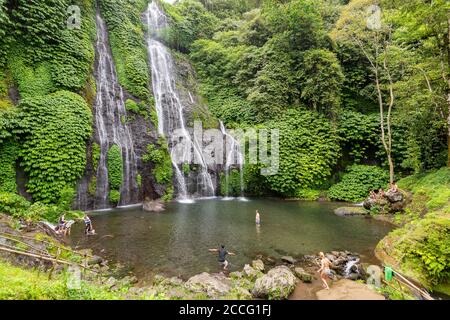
(176, 242)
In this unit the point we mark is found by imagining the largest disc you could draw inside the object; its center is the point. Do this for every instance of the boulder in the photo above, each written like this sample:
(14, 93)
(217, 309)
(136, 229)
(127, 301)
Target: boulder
(95, 260)
(236, 275)
(153, 205)
(278, 284)
(392, 202)
(213, 285)
(258, 265)
(250, 272)
(288, 259)
(303, 275)
(350, 211)
(394, 196)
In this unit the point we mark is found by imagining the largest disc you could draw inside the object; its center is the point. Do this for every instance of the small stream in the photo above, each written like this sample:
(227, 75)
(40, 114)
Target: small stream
(176, 242)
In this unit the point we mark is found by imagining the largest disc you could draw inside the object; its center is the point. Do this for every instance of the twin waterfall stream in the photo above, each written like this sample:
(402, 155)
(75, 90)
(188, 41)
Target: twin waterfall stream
(111, 129)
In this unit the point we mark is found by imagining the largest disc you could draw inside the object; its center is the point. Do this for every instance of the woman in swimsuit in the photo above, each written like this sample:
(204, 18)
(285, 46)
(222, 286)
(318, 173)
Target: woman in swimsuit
(325, 271)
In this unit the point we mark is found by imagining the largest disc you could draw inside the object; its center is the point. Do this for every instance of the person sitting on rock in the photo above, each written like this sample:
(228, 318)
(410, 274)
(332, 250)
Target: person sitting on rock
(373, 195)
(394, 187)
(324, 271)
(222, 254)
(381, 193)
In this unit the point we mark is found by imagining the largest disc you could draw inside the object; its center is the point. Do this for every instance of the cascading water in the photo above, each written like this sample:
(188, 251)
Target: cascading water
(169, 108)
(349, 267)
(233, 157)
(110, 126)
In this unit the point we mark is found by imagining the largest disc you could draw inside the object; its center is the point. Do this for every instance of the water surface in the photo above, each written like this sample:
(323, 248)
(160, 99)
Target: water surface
(176, 242)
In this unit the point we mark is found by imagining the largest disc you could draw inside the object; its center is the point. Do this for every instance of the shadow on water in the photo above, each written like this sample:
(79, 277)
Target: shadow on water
(176, 242)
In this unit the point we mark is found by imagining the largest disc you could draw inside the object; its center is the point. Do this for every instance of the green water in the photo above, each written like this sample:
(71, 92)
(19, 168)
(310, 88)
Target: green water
(176, 242)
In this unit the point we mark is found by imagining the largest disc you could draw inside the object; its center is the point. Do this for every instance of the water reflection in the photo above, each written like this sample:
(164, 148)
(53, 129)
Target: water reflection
(176, 241)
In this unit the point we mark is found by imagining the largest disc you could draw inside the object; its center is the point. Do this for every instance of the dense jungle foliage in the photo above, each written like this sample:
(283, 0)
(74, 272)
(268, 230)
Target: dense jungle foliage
(359, 96)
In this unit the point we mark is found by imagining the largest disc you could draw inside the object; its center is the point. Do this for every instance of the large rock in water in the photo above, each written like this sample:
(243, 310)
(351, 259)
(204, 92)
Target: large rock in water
(258, 265)
(350, 211)
(288, 259)
(153, 205)
(392, 202)
(278, 284)
(303, 275)
(214, 285)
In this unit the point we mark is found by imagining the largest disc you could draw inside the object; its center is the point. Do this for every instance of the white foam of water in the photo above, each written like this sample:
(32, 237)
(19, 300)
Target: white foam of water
(169, 107)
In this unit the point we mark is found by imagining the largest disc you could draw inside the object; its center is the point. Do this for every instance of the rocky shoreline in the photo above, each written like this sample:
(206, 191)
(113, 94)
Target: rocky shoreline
(263, 278)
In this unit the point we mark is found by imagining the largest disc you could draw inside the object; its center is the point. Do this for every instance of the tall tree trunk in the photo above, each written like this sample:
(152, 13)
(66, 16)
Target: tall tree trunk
(388, 120)
(448, 91)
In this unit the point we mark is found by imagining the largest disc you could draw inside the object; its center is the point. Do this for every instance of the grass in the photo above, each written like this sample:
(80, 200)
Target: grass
(23, 284)
(421, 247)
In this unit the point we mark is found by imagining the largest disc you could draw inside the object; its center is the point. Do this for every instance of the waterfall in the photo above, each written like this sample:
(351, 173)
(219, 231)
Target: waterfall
(169, 108)
(233, 156)
(110, 125)
(349, 266)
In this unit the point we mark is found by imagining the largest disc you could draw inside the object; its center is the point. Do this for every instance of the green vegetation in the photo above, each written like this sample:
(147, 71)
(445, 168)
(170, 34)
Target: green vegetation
(233, 187)
(421, 247)
(53, 151)
(357, 182)
(308, 149)
(115, 167)
(126, 39)
(22, 284)
(10, 153)
(159, 155)
(18, 207)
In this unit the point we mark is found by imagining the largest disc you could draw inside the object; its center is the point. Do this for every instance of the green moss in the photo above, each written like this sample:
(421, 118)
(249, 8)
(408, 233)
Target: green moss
(114, 197)
(233, 187)
(92, 188)
(139, 180)
(160, 157)
(126, 39)
(131, 106)
(9, 152)
(95, 155)
(168, 194)
(115, 167)
(137, 108)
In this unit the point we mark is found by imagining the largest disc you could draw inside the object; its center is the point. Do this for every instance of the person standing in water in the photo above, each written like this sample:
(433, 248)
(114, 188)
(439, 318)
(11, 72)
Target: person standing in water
(88, 225)
(222, 256)
(325, 271)
(257, 218)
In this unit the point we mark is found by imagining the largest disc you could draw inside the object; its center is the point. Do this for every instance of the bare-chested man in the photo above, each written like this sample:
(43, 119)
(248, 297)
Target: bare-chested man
(222, 254)
(325, 271)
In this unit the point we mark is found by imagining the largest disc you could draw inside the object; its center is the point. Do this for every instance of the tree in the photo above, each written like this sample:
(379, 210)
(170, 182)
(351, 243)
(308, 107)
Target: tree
(321, 79)
(425, 28)
(361, 23)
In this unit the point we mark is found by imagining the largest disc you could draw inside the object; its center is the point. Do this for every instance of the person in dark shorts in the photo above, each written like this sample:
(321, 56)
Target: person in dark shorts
(222, 256)
(61, 224)
(87, 225)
